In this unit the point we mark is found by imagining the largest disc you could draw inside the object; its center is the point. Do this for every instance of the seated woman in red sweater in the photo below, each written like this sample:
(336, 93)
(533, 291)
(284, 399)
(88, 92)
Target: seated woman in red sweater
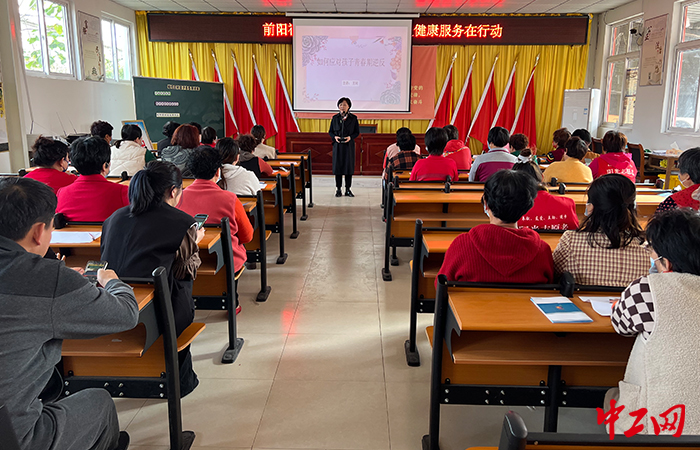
(204, 196)
(51, 159)
(456, 149)
(689, 176)
(614, 158)
(500, 252)
(91, 198)
(435, 167)
(549, 212)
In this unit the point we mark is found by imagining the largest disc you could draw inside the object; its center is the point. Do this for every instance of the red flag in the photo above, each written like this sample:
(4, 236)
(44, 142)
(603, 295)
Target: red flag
(444, 103)
(525, 117)
(261, 105)
(483, 116)
(286, 122)
(462, 116)
(242, 111)
(505, 116)
(230, 126)
(193, 73)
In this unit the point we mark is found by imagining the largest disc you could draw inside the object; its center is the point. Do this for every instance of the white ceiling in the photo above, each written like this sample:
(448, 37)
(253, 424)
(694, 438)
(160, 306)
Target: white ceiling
(378, 6)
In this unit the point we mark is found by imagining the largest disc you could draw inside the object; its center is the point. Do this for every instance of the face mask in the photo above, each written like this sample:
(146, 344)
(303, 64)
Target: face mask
(683, 182)
(487, 213)
(585, 211)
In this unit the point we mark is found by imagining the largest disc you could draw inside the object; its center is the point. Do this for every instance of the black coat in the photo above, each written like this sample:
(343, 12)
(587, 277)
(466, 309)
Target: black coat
(135, 246)
(344, 153)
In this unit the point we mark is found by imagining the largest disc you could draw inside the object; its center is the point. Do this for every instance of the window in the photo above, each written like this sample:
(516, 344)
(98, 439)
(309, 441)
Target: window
(622, 73)
(45, 36)
(116, 41)
(684, 104)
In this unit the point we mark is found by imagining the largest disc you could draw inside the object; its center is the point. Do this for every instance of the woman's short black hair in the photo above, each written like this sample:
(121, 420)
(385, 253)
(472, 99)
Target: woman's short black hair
(197, 126)
(452, 132)
(518, 142)
(402, 130)
(406, 142)
(689, 162)
(101, 128)
(498, 136)
(228, 148)
(435, 140)
(131, 132)
(208, 135)
(24, 202)
(531, 168)
(673, 234)
(576, 148)
(509, 194)
(246, 142)
(48, 152)
(584, 134)
(613, 197)
(149, 186)
(346, 100)
(89, 155)
(169, 128)
(614, 142)
(203, 162)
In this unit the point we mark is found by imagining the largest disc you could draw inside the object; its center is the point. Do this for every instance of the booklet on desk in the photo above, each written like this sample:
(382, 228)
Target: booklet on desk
(560, 310)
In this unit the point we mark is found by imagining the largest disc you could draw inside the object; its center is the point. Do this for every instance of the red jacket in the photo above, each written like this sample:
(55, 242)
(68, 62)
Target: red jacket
(91, 198)
(551, 213)
(616, 162)
(434, 168)
(458, 151)
(494, 254)
(55, 179)
(205, 197)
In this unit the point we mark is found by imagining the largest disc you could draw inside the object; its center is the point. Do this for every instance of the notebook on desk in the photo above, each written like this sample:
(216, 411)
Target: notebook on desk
(560, 310)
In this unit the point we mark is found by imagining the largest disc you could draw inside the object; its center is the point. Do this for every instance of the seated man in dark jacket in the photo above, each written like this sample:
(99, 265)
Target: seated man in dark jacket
(43, 302)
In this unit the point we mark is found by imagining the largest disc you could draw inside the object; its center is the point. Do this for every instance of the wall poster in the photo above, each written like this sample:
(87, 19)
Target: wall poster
(653, 51)
(90, 28)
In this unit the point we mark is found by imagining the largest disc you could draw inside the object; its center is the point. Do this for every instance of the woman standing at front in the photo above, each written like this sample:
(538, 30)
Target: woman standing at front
(344, 130)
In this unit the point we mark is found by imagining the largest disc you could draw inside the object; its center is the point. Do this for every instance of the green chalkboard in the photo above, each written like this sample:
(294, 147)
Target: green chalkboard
(159, 100)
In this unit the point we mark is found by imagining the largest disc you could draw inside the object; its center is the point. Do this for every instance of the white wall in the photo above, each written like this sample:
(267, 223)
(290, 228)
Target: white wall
(79, 103)
(652, 101)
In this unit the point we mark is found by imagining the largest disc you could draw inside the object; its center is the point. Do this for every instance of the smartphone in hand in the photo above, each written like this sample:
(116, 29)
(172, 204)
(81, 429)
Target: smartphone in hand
(91, 269)
(200, 219)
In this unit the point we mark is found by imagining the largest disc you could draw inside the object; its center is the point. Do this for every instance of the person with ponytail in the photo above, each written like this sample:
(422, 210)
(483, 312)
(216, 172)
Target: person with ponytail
(607, 249)
(129, 154)
(152, 232)
(51, 160)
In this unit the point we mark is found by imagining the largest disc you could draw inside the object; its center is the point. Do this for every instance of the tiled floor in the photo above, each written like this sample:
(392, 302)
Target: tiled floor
(323, 364)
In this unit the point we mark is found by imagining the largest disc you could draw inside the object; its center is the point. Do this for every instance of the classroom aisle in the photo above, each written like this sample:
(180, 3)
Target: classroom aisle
(323, 364)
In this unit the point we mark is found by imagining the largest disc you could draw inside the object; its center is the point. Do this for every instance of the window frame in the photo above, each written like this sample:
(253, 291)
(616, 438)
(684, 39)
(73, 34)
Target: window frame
(620, 57)
(44, 40)
(679, 48)
(113, 33)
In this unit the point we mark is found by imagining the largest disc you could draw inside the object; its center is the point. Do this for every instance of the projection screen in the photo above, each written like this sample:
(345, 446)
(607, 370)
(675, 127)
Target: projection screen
(365, 60)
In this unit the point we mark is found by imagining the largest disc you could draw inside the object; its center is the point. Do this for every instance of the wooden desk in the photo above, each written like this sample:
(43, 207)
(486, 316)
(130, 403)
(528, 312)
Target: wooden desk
(426, 263)
(133, 342)
(286, 193)
(300, 180)
(654, 162)
(492, 346)
(306, 168)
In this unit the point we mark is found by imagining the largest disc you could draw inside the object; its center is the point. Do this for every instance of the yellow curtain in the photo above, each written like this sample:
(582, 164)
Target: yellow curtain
(560, 67)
